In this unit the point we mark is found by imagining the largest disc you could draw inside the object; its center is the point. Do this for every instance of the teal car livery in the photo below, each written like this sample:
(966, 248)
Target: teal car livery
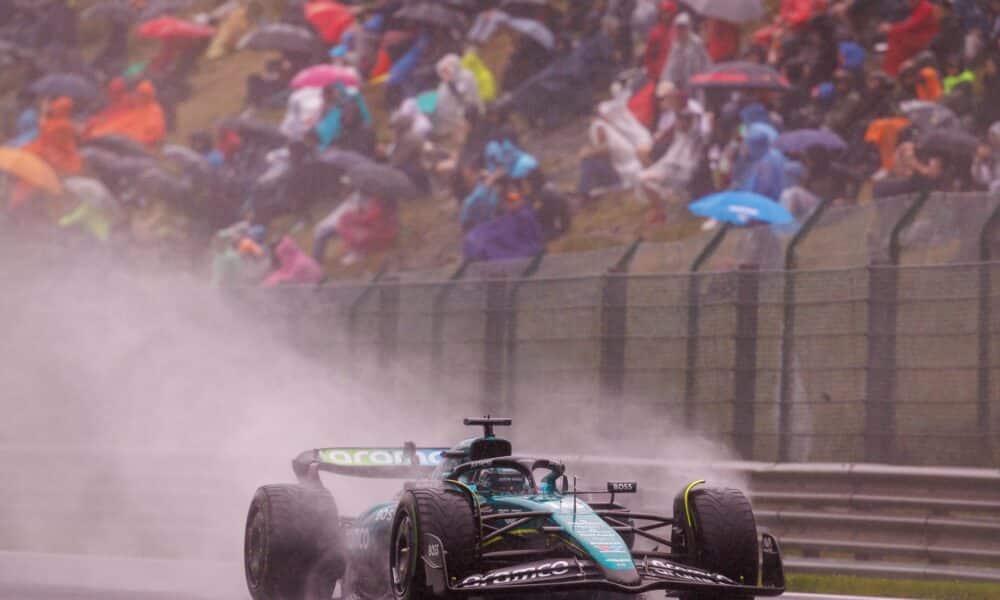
(475, 520)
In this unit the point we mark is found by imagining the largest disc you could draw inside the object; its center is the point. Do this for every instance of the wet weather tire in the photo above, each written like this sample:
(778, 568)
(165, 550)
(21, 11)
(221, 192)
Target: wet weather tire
(724, 538)
(443, 512)
(293, 548)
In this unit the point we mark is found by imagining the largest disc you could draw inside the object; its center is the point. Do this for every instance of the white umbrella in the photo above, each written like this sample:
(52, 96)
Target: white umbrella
(734, 11)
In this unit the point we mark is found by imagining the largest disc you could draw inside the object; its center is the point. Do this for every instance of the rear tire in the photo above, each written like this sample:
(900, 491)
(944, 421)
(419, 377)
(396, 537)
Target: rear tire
(723, 538)
(293, 547)
(443, 512)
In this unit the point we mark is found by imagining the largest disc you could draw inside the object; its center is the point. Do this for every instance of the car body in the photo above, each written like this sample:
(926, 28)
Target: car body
(512, 525)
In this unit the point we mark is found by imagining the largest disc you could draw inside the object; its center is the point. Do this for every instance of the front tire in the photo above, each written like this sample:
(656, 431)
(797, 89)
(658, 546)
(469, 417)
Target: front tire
(445, 513)
(721, 537)
(293, 547)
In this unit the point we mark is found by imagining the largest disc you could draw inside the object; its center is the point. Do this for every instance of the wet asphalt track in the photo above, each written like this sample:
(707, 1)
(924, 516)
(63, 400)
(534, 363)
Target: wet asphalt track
(55, 577)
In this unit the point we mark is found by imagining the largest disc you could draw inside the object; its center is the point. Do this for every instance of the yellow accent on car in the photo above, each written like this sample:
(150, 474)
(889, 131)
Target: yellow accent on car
(687, 504)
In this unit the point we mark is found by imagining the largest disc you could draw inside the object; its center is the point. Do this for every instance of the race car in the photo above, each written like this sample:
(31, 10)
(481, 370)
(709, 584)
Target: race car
(475, 521)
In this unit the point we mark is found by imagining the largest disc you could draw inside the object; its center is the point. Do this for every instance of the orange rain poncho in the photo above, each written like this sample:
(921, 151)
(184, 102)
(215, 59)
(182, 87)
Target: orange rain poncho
(139, 117)
(56, 141)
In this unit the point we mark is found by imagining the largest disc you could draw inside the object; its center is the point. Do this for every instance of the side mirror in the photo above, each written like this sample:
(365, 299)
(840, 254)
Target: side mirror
(564, 485)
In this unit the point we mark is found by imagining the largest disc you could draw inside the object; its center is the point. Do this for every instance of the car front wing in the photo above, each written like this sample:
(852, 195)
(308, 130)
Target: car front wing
(656, 572)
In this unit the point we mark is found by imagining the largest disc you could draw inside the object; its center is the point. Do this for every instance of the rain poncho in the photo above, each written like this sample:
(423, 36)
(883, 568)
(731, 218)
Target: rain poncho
(485, 81)
(89, 218)
(623, 136)
(479, 207)
(457, 93)
(372, 227)
(27, 128)
(56, 141)
(305, 108)
(986, 171)
(140, 118)
(295, 266)
(687, 58)
(235, 25)
(508, 237)
(910, 36)
(331, 126)
(762, 167)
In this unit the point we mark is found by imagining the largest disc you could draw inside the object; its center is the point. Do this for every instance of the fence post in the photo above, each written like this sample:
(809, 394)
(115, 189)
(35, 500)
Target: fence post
(437, 325)
(880, 380)
(985, 335)
(388, 322)
(614, 315)
(353, 310)
(694, 313)
(788, 333)
(745, 361)
(509, 365)
(493, 354)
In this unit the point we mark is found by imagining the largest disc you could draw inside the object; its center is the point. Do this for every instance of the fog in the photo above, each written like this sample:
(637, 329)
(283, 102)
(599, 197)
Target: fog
(141, 409)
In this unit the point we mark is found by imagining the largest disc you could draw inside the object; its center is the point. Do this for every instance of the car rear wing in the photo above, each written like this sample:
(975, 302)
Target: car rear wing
(407, 462)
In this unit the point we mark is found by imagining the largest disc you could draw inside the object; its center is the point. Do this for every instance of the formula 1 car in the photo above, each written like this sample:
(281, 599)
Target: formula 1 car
(477, 521)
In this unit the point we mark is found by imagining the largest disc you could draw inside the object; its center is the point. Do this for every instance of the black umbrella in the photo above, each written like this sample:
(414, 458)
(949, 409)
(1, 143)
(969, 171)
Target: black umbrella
(432, 14)
(186, 159)
(66, 84)
(737, 75)
(929, 115)
(110, 166)
(344, 160)
(383, 181)
(164, 184)
(119, 144)
(158, 8)
(951, 142)
(283, 38)
(115, 11)
(258, 131)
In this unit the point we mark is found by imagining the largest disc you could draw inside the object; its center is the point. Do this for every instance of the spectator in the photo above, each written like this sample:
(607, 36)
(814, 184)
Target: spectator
(673, 172)
(761, 168)
(986, 166)
(909, 36)
(660, 39)
(688, 55)
(294, 266)
(56, 141)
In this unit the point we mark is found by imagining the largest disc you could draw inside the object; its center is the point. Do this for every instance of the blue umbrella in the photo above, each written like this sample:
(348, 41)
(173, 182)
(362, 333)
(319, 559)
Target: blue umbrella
(800, 140)
(739, 208)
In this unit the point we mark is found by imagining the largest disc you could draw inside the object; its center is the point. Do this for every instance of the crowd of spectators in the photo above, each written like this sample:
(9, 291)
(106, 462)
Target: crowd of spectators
(821, 99)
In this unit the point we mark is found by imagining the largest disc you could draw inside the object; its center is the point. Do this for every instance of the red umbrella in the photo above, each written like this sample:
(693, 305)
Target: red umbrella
(740, 75)
(174, 28)
(329, 19)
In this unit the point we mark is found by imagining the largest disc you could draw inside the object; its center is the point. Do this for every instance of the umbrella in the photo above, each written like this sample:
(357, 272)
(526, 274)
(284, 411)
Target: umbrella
(382, 181)
(110, 164)
(324, 75)
(66, 84)
(734, 11)
(344, 160)
(432, 14)
(283, 38)
(534, 30)
(158, 8)
(161, 183)
(186, 159)
(29, 168)
(116, 11)
(929, 115)
(118, 144)
(740, 75)
(93, 192)
(951, 142)
(263, 132)
(329, 19)
(739, 208)
(800, 140)
(173, 28)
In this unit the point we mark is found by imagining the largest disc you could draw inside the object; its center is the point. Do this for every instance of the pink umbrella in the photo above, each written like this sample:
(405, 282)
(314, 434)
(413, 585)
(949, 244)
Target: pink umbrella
(324, 75)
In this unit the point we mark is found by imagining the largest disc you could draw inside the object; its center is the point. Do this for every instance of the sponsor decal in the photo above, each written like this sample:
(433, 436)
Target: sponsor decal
(623, 487)
(519, 575)
(674, 571)
(378, 457)
(386, 513)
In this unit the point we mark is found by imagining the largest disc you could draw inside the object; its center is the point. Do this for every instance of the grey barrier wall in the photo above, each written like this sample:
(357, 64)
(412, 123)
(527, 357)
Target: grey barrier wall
(785, 346)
